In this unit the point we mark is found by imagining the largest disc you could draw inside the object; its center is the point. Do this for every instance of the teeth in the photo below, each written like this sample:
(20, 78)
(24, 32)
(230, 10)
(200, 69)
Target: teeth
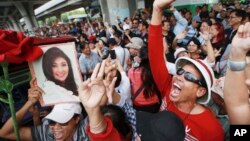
(58, 134)
(176, 85)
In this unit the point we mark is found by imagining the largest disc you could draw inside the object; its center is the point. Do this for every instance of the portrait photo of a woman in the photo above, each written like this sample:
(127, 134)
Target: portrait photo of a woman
(57, 73)
(57, 68)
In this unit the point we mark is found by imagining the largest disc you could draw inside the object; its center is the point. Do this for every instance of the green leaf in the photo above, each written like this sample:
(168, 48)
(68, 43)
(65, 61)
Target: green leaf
(6, 86)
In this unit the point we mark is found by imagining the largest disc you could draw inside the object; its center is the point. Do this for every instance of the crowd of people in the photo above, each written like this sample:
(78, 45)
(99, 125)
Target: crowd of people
(164, 74)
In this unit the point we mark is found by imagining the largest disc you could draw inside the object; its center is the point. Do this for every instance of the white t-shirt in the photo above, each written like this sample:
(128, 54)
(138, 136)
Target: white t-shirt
(123, 55)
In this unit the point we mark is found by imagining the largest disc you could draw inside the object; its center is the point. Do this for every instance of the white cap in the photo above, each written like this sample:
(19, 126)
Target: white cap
(206, 72)
(64, 112)
(178, 51)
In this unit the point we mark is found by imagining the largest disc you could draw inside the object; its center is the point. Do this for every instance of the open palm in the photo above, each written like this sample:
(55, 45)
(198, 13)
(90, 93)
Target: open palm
(92, 90)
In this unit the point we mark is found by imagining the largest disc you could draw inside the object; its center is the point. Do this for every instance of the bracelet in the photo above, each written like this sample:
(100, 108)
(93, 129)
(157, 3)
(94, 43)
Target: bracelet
(236, 65)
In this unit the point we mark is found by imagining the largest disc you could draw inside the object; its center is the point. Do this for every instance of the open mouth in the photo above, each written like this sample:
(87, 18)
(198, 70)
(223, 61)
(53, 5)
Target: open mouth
(58, 135)
(176, 90)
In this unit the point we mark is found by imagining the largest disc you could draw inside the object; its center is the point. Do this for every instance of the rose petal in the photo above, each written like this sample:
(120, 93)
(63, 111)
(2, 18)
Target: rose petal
(17, 48)
(11, 36)
(34, 54)
(14, 59)
(6, 46)
(2, 56)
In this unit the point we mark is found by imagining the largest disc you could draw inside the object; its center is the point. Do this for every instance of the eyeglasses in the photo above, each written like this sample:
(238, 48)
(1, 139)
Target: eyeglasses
(53, 123)
(189, 76)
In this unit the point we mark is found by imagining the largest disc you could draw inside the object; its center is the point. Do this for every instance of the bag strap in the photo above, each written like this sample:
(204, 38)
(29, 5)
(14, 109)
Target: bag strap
(137, 92)
(123, 61)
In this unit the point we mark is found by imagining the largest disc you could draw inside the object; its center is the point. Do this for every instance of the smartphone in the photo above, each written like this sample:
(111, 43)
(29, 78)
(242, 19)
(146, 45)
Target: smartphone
(112, 54)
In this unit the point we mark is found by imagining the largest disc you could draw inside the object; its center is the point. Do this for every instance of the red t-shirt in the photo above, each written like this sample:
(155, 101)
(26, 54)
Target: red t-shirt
(203, 126)
(134, 76)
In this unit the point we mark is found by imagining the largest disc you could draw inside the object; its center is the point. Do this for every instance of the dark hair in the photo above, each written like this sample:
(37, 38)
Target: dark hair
(125, 19)
(209, 23)
(118, 34)
(111, 41)
(102, 24)
(118, 118)
(240, 13)
(146, 75)
(196, 41)
(119, 78)
(144, 23)
(114, 28)
(47, 62)
(83, 45)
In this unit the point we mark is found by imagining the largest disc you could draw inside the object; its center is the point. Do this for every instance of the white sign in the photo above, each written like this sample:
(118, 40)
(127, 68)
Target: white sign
(191, 2)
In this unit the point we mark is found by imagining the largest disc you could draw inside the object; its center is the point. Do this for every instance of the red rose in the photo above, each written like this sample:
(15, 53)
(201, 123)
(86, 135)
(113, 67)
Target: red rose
(17, 48)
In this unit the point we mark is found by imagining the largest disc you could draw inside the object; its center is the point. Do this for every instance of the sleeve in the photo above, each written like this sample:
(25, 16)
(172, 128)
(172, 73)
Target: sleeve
(82, 65)
(111, 134)
(180, 18)
(98, 57)
(158, 66)
(41, 133)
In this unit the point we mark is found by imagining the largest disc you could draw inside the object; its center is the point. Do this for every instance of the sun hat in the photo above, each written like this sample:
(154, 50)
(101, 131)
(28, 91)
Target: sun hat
(161, 126)
(206, 72)
(63, 112)
(104, 39)
(135, 43)
(178, 51)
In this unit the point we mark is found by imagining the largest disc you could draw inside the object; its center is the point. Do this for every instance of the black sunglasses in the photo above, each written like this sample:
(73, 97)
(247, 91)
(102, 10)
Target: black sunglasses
(189, 76)
(53, 123)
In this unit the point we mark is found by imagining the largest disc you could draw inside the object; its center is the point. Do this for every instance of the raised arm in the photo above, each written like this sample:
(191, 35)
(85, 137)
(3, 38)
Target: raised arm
(179, 18)
(93, 94)
(209, 47)
(155, 45)
(235, 90)
(7, 131)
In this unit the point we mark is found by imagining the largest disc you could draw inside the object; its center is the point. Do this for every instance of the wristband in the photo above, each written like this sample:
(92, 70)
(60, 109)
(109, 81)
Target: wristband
(236, 65)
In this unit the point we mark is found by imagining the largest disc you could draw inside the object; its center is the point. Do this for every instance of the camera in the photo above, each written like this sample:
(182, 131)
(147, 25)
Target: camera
(107, 53)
